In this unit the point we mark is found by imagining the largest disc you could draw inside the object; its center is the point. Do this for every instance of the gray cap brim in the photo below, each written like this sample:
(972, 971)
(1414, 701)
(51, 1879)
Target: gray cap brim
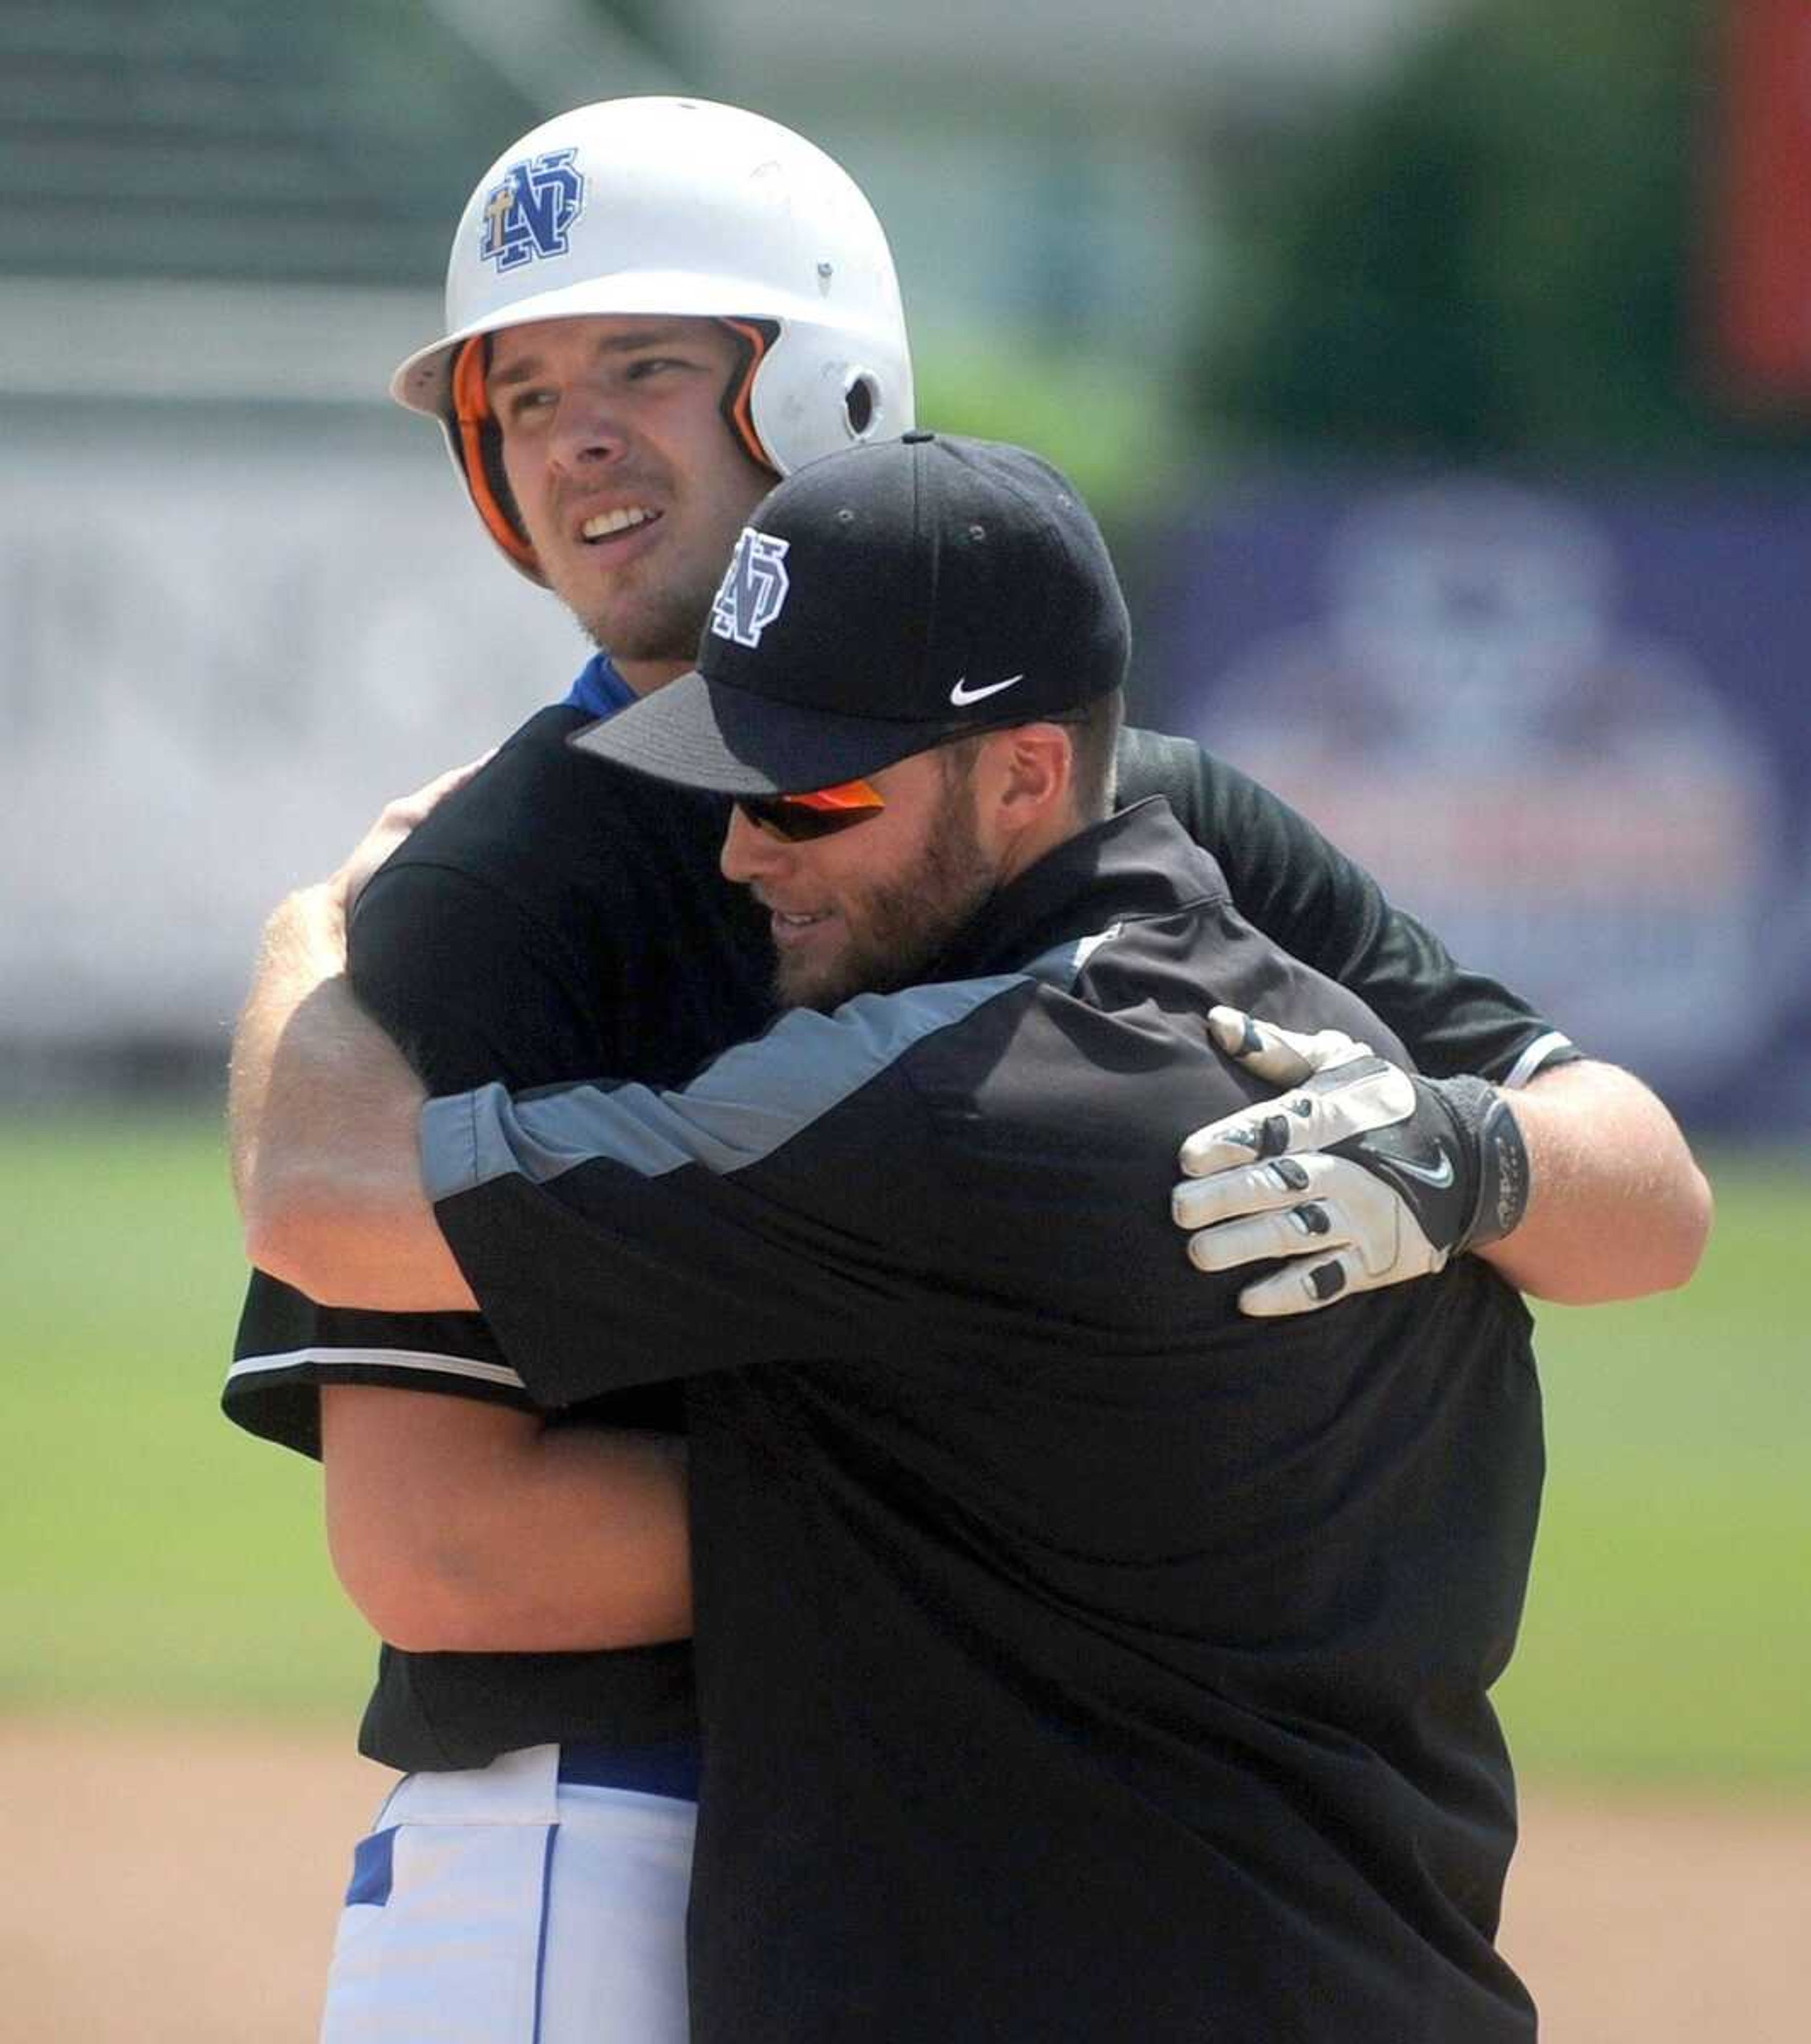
(698, 733)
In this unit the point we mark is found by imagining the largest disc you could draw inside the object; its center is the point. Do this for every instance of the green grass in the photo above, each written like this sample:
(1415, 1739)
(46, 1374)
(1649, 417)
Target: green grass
(157, 1559)
(1669, 1627)
(155, 1556)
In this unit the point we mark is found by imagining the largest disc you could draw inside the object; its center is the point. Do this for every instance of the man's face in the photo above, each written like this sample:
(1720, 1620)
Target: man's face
(867, 909)
(627, 481)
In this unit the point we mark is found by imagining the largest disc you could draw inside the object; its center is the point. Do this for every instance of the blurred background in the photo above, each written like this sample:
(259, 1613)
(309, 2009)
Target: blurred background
(1442, 372)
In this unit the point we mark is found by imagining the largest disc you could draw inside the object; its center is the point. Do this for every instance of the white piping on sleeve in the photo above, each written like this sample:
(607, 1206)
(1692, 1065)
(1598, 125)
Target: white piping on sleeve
(1534, 1056)
(377, 1359)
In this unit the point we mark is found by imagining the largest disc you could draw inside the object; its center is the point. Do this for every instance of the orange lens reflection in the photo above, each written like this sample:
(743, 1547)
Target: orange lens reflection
(821, 814)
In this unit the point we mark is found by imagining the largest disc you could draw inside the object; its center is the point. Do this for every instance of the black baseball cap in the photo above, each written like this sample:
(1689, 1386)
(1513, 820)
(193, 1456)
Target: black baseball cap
(882, 601)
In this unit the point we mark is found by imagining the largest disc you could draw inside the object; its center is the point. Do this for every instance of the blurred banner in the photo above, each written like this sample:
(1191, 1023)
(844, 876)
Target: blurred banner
(1567, 728)
(215, 667)
(1762, 288)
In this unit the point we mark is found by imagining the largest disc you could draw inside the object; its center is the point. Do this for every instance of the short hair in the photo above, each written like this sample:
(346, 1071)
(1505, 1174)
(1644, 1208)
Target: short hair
(1094, 772)
(1093, 749)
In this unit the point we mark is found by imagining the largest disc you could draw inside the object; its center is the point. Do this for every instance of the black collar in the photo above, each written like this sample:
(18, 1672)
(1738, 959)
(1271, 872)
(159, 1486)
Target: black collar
(1137, 864)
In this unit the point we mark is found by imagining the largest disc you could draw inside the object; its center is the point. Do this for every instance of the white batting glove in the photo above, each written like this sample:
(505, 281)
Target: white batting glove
(1364, 1175)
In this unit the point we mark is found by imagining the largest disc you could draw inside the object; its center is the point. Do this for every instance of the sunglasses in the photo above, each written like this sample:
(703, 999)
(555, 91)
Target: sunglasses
(799, 818)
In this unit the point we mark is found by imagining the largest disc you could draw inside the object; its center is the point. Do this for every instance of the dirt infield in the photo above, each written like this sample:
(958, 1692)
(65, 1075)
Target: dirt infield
(179, 1887)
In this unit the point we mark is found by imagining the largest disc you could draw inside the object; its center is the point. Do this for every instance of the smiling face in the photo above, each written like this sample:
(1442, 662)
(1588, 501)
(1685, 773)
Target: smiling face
(630, 486)
(866, 910)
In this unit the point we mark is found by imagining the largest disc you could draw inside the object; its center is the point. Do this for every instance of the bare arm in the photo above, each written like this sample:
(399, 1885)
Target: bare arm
(322, 1111)
(1362, 1178)
(455, 1526)
(461, 1528)
(1618, 1208)
(322, 1108)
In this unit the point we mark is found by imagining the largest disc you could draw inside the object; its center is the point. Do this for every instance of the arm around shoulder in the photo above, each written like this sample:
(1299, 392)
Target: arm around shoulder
(322, 1112)
(1618, 1207)
(322, 1106)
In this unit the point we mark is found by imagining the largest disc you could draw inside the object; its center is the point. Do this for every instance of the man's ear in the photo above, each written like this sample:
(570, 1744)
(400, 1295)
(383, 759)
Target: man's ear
(1034, 763)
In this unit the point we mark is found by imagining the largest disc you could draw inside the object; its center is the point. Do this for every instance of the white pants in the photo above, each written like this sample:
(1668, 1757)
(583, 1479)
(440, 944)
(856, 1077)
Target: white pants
(503, 1906)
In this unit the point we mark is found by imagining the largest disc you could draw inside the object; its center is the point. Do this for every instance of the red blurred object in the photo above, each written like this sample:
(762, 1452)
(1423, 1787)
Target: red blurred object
(1762, 286)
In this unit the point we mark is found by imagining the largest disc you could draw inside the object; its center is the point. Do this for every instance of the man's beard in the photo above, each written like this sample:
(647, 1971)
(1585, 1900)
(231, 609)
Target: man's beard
(660, 616)
(908, 922)
(654, 618)
(666, 629)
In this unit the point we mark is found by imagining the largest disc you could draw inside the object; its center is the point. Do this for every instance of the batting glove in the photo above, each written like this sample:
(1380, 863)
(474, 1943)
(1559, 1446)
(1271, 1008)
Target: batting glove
(1364, 1175)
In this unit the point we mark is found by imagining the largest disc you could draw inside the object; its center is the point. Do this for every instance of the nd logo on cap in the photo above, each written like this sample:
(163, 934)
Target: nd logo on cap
(531, 212)
(754, 589)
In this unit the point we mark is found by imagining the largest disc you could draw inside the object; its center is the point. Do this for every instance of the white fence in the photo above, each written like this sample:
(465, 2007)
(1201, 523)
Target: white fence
(221, 649)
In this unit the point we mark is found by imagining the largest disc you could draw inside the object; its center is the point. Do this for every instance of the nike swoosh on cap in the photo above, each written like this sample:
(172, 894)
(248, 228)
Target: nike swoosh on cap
(962, 695)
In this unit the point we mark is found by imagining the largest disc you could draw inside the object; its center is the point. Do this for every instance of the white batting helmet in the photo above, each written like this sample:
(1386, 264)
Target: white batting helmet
(683, 208)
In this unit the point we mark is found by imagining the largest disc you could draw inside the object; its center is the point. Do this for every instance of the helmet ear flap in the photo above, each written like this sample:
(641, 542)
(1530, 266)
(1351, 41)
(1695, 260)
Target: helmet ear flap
(478, 447)
(755, 337)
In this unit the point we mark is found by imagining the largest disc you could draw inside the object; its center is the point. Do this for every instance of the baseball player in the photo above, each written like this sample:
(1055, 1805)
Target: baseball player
(655, 307)
(1079, 1658)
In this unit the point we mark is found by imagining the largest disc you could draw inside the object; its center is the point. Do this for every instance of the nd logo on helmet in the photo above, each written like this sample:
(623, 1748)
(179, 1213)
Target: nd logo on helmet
(752, 590)
(529, 214)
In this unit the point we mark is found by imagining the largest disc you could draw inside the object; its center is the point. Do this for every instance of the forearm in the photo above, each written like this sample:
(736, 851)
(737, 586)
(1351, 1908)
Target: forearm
(322, 1113)
(1618, 1208)
(302, 948)
(460, 1527)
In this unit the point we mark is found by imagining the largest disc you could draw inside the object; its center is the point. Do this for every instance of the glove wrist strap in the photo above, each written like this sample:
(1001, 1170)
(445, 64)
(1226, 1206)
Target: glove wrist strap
(1503, 1174)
